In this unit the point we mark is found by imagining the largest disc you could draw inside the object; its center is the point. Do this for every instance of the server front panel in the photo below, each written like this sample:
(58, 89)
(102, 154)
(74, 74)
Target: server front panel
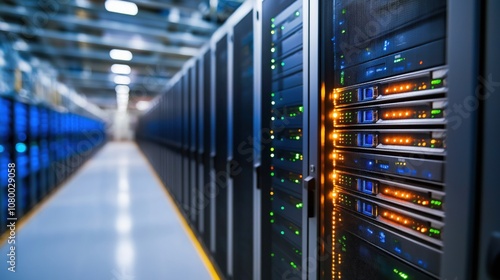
(386, 138)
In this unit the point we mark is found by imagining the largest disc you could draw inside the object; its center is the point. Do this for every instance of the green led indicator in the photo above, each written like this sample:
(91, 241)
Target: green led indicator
(273, 49)
(282, 27)
(282, 207)
(298, 137)
(272, 221)
(293, 264)
(282, 180)
(273, 26)
(298, 205)
(272, 173)
(282, 232)
(272, 254)
(301, 109)
(436, 111)
(400, 273)
(343, 31)
(271, 213)
(272, 94)
(273, 67)
(282, 64)
(273, 60)
(344, 11)
(273, 19)
(436, 82)
(297, 232)
(399, 60)
(435, 231)
(436, 202)
(342, 76)
(297, 181)
(342, 56)
(272, 149)
(297, 13)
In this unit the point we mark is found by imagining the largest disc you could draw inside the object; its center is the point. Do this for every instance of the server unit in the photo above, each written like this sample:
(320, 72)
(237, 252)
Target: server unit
(386, 138)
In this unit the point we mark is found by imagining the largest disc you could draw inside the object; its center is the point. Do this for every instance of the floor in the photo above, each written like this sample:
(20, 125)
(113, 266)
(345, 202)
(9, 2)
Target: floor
(111, 221)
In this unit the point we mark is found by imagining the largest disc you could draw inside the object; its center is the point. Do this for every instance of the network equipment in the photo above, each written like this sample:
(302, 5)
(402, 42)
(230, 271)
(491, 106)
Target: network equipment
(388, 139)
(282, 158)
(46, 146)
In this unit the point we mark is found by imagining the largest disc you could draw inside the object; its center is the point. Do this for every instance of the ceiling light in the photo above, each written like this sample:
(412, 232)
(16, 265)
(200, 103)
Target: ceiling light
(122, 89)
(121, 7)
(142, 105)
(121, 69)
(122, 80)
(120, 54)
(122, 97)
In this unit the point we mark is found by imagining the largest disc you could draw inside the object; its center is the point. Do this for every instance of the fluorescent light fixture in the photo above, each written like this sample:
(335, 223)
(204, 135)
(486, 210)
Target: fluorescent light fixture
(142, 105)
(120, 54)
(122, 108)
(122, 80)
(122, 89)
(121, 7)
(121, 69)
(122, 98)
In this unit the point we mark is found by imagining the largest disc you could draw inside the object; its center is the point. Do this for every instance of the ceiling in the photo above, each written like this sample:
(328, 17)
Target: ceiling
(76, 36)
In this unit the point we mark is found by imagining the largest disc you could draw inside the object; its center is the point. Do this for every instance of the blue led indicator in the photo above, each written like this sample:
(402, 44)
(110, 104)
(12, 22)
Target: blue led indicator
(21, 147)
(381, 237)
(384, 166)
(2, 149)
(397, 249)
(369, 231)
(369, 187)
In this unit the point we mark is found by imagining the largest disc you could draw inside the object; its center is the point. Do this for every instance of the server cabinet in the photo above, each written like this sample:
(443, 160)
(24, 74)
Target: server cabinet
(490, 226)
(221, 151)
(6, 152)
(21, 157)
(385, 139)
(193, 92)
(284, 148)
(34, 155)
(186, 140)
(241, 168)
(207, 148)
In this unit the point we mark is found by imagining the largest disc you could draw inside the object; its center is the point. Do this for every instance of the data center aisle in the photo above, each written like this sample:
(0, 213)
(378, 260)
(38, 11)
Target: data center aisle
(111, 221)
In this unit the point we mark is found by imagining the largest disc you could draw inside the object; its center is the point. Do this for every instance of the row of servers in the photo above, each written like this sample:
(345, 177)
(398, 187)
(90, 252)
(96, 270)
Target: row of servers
(39, 148)
(338, 139)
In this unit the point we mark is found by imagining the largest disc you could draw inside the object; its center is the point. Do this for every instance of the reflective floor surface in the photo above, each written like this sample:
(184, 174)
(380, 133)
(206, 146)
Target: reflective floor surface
(111, 221)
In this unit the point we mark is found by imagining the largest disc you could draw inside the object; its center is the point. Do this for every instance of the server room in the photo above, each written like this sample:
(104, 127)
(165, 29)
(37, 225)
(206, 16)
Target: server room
(248, 140)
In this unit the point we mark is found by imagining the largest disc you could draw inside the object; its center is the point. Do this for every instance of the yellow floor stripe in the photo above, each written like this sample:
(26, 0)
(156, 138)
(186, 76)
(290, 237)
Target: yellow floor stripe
(41, 204)
(206, 260)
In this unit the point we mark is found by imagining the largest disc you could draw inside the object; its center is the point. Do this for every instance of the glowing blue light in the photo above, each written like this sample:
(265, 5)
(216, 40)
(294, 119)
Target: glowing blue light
(21, 147)
(2, 149)
(397, 249)
(381, 236)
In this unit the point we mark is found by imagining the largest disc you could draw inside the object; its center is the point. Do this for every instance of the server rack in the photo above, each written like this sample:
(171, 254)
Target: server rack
(207, 148)
(386, 138)
(6, 152)
(241, 169)
(26, 141)
(285, 144)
